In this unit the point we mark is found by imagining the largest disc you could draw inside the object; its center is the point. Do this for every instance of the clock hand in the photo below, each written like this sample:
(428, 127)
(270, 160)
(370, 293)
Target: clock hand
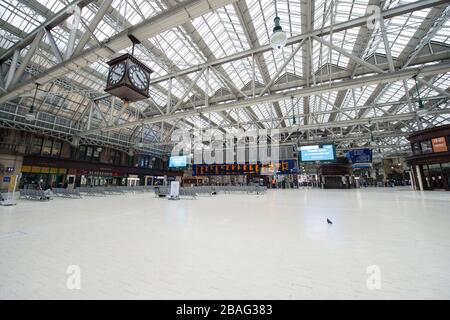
(140, 78)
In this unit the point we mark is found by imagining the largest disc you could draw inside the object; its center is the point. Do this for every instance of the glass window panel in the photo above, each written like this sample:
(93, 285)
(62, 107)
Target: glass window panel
(47, 147)
(426, 146)
(56, 150)
(36, 145)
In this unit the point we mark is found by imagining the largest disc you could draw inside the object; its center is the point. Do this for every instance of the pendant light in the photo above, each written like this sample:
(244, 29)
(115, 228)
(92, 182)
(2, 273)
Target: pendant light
(278, 38)
(31, 115)
(294, 121)
(421, 111)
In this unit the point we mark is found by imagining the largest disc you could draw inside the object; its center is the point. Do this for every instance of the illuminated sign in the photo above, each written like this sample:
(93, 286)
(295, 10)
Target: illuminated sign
(360, 155)
(282, 167)
(178, 162)
(317, 153)
(439, 144)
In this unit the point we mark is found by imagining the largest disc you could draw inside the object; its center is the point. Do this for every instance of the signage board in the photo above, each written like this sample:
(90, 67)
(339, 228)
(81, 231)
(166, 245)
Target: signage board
(324, 152)
(178, 162)
(281, 167)
(174, 189)
(360, 155)
(439, 144)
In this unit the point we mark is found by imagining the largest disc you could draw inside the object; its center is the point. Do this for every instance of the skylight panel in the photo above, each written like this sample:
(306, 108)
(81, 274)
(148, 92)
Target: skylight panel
(177, 48)
(262, 14)
(19, 16)
(393, 92)
(53, 5)
(361, 96)
(443, 34)
(399, 31)
(222, 32)
(7, 39)
(327, 12)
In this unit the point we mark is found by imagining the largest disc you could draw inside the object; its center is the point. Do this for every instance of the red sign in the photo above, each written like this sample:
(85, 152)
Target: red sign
(439, 144)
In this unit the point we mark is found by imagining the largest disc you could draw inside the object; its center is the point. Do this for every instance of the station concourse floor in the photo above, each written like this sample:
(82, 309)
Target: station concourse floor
(232, 246)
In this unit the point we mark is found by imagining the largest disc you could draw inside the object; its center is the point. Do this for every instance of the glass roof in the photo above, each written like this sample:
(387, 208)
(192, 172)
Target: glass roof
(233, 29)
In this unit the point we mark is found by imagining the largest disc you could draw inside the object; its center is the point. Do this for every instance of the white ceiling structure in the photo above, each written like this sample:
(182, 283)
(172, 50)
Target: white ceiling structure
(342, 77)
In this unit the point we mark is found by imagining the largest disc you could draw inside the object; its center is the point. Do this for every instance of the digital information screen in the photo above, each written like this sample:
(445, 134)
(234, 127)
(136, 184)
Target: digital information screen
(178, 162)
(360, 155)
(317, 153)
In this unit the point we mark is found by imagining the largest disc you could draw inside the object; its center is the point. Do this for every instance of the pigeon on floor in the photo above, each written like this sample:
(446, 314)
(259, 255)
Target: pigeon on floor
(329, 221)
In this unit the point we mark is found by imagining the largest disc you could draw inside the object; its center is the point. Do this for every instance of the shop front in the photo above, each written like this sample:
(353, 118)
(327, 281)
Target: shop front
(283, 172)
(99, 177)
(430, 161)
(34, 176)
(67, 173)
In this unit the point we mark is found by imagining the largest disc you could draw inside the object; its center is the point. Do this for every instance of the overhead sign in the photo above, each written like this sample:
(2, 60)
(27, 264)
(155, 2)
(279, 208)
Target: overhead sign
(6, 179)
(178, 162)
(360, 155)
(325, 152)
(282, 167)
(439, 144)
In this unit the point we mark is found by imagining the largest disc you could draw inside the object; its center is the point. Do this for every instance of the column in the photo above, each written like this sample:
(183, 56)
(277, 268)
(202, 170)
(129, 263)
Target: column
(412, 178)
(419, 177)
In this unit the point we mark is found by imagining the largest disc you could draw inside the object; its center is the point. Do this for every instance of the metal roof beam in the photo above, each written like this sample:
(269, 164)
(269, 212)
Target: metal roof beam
(390, 13)
(185, 11)
(308, 91)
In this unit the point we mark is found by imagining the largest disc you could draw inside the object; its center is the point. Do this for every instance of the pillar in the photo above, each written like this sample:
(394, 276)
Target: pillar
(419, 177)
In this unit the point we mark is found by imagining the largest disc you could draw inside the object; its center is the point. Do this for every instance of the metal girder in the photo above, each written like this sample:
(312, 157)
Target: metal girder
(54, 46)
(248, 27)
(390, 13)
(430, 85)
(34, 45)
(209, 55)
(49, 24)
(92, 25)
(361, 43)
(187, 91)
(12, 69)
(348, 55)
(415, 44)
(147, 28)
(277, 74)
(307, 19)
(308, 91)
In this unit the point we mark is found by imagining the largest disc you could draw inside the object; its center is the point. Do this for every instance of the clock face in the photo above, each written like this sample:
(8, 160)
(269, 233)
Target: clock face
(138, 77)
(116, 74)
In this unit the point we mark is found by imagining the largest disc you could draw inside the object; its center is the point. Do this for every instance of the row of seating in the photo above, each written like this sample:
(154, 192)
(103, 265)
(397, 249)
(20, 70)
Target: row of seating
(230, 189)
(210, 190)
(160, 191)
(103, 191)
(66, 193)
(77, 193)
(33, 194)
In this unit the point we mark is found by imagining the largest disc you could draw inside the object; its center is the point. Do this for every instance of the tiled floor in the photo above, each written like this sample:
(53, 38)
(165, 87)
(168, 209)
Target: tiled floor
(276, 246)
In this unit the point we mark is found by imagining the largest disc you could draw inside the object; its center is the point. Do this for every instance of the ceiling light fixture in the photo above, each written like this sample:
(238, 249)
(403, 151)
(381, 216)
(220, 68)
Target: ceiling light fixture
(421, 111)
(31, 115)
(278, 38)
(294, 121)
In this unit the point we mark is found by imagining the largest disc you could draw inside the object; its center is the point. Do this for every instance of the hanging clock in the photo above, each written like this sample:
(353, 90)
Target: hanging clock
(138, 77)
(116, 73)
(128, 78)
